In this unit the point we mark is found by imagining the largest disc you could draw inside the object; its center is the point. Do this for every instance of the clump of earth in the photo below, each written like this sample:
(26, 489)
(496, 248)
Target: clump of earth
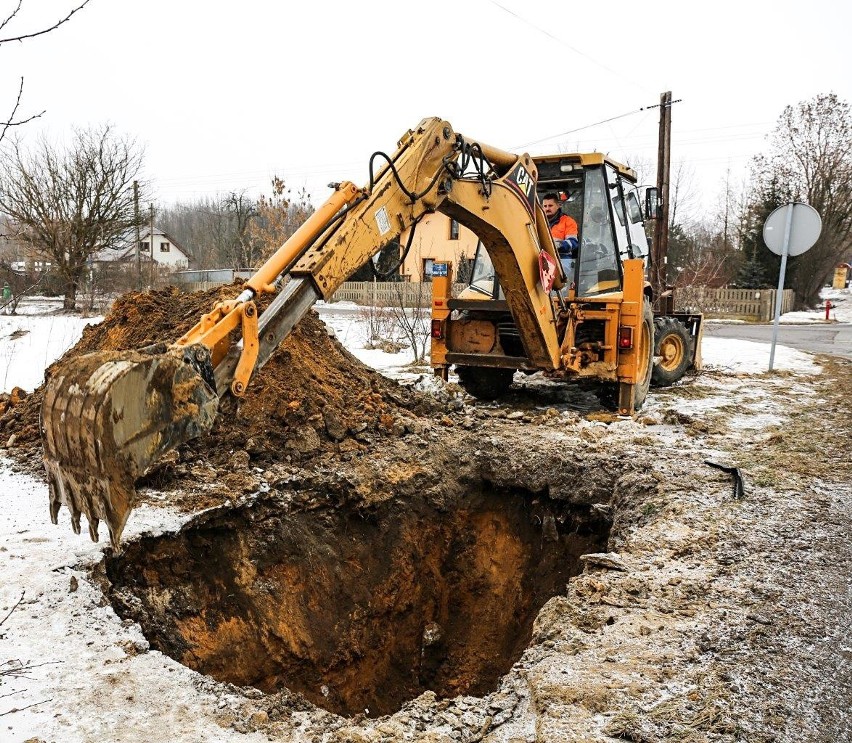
(312, 396)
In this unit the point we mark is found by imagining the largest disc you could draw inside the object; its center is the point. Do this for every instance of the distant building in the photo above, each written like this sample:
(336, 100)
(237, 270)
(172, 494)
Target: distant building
(437, 238)
(167, 252)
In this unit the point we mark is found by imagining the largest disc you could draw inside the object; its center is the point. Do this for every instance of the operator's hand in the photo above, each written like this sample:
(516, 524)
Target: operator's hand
(567, 248)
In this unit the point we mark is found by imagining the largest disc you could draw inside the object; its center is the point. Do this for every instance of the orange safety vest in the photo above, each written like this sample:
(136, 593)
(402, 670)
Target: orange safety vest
(564, 228)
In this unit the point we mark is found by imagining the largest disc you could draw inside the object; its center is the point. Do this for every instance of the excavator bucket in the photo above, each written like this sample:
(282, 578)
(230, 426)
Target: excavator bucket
(107, 416)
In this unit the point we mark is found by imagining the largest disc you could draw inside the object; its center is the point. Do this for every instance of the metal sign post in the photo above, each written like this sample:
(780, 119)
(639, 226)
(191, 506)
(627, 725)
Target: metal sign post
(801, 228)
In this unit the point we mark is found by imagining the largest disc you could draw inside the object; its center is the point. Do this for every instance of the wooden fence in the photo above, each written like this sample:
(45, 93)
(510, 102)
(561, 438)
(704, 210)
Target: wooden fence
(749, 304)
(389, 293)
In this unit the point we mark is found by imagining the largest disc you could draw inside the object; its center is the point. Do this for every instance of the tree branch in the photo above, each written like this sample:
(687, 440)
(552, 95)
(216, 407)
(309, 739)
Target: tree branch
(11, 122)
(11, 15)
(19, 671)
(21, 709)
(45, 30)
(17, 604)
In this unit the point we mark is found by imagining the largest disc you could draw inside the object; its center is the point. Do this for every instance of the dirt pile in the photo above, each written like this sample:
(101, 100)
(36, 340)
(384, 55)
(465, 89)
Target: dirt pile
(311, 397)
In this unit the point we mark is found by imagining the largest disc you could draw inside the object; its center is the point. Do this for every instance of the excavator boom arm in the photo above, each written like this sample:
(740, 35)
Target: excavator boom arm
(108, 416)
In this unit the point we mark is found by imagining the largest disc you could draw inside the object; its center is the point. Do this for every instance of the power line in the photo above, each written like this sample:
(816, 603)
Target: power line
(581, 128)
(567, 45)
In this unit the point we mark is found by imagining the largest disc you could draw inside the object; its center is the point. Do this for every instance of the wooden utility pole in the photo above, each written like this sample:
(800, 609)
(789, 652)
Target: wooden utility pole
(660, 247)
(151, 244)
(137, 219)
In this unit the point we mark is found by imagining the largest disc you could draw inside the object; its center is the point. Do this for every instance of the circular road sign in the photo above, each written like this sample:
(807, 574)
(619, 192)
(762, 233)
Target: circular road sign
(804, 229)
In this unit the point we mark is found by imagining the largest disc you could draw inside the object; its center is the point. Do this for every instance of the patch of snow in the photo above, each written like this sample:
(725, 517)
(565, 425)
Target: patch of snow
(750, 421)
(40, 305)
(30, 343)
(841, 309)
(750, 357)
(92, 676)
(429, 383)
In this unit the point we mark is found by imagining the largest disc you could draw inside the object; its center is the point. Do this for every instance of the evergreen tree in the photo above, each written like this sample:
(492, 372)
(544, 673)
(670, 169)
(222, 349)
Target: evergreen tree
(752, 275)
(769, 194)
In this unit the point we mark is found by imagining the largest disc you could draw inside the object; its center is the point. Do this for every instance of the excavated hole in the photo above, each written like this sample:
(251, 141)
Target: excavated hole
(356, 610)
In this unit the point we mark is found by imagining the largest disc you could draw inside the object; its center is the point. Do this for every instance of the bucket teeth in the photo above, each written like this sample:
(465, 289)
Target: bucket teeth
(106, 417)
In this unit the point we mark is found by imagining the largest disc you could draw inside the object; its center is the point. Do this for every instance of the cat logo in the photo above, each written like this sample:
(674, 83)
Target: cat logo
(524, 180)
(524, 183)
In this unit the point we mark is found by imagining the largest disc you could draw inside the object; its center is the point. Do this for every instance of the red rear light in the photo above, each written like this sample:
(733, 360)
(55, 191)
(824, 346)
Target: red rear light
(437, 329)
(625, 338)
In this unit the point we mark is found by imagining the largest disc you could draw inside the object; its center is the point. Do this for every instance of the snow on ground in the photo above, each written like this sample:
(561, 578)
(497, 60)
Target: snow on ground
(841, 309)
(37, 336)
(83, 674)
(82, 669)
(34, 339)
(350, 323)
(750, 357)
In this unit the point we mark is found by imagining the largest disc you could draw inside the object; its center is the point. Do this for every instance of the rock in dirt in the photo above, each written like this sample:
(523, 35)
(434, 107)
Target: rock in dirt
(608, 560)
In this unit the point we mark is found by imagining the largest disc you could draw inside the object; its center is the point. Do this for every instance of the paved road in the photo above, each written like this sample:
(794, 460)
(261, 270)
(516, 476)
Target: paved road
(833, 338)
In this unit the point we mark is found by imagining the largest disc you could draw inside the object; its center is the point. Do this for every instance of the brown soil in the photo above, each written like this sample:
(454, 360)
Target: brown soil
(392, 600)
(311, 397)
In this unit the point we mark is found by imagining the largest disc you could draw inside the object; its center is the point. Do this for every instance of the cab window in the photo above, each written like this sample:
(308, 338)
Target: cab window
(598, 268)
(633, 208)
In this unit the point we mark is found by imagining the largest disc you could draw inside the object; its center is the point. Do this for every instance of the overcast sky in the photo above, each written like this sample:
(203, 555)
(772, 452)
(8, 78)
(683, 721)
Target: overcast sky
(225, 94)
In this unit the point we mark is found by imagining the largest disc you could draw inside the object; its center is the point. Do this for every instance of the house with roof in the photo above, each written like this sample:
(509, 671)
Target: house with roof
(163, 250)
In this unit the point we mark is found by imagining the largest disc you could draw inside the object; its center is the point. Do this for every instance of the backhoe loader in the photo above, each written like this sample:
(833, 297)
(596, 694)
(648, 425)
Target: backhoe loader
(108, 416)
(603, 322)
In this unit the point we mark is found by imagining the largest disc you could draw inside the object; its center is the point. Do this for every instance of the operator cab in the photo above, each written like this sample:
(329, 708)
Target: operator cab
(602, 197)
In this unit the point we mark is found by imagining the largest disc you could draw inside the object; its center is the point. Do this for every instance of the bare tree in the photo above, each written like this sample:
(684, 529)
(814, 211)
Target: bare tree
(277, 217)
(644, 167)
(239, 211)
(811, 158)
(12, 120)
(69, 203)
(212, 227)
(682, 194)
(412, 310)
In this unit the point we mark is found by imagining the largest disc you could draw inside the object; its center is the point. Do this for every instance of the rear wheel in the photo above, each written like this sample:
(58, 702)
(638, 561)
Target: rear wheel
(616, 396)
(645, 353)
(673, 346)
(485, 383)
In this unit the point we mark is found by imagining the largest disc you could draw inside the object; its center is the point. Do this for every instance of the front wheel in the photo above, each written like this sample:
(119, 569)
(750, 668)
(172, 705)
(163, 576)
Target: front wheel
(485, 383)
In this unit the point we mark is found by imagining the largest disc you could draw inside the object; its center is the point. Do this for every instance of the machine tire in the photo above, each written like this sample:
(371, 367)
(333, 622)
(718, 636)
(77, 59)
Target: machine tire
(609, 392)
(674, 346)
(485, 383)
(646, 352)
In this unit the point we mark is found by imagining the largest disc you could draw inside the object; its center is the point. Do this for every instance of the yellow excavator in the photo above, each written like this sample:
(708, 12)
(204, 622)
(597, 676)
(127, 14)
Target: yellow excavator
(602, 325)
(108, 416)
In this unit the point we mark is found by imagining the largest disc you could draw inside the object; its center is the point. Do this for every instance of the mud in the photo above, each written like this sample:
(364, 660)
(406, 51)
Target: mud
(359, 609)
